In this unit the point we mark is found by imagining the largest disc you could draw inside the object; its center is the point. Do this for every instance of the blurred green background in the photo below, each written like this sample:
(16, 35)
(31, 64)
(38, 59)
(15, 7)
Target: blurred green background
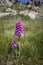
(31, 42)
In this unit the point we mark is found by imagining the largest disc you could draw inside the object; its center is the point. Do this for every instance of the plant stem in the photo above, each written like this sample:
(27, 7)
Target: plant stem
(19, 46)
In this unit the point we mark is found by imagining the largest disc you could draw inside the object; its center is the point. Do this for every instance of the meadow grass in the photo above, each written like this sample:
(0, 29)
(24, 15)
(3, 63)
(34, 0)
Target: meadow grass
(31, 42)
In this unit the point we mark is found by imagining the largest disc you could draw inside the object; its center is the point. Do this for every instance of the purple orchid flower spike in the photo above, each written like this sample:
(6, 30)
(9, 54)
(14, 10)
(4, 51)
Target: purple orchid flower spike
(19, 29)
(14, 43)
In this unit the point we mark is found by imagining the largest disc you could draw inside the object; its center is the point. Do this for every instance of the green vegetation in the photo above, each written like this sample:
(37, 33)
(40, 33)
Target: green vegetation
(31, 42)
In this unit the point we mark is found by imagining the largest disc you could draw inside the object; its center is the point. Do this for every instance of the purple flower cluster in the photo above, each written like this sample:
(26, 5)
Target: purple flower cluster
(18, 32)
(19, 29)
(14, 43)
